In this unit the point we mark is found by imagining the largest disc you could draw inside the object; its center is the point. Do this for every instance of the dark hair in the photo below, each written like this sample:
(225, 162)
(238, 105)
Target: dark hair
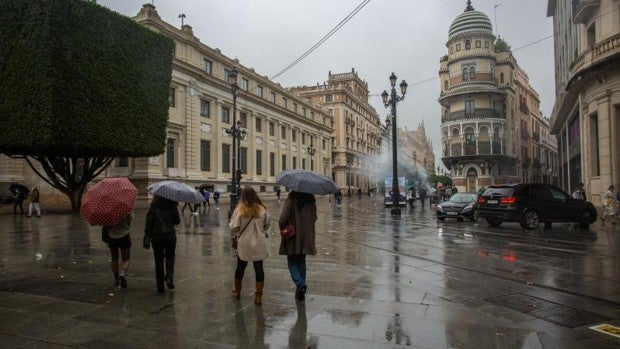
(162, 202)
(302, 198)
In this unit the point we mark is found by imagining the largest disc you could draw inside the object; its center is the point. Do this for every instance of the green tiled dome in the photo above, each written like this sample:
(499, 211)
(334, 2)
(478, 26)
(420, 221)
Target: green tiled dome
(470, 21)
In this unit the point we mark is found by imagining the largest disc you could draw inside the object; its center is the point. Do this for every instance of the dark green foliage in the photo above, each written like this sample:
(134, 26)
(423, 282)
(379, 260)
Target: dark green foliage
(79, 80)
(501, 45)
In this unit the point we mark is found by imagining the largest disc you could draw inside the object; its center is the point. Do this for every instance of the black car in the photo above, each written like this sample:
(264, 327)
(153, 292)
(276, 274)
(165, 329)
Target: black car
(532, 203)
(460, 206)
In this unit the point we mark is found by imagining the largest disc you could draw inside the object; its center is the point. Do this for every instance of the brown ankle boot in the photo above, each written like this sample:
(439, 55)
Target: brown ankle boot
(258, 296)
(236, 290)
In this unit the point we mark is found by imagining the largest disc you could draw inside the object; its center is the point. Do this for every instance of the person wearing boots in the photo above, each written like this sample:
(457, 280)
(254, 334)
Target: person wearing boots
(249, 224)
(160, 232)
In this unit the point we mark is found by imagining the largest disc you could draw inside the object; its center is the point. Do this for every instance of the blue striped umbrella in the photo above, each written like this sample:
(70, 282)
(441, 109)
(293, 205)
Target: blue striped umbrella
(306, 182)
(176, 191)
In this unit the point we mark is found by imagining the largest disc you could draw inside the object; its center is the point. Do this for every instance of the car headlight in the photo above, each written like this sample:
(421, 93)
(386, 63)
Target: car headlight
(467, 208)
(439, 208)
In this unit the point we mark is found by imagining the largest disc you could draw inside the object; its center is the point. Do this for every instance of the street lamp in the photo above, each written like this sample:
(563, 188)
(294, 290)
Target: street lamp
(311, 151)
(390, 100)
(237, 133)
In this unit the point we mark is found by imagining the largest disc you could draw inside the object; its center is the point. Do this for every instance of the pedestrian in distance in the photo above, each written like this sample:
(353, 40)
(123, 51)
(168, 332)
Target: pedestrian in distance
(278, 193)
(216, 200)
(481, 191)
(423, 196)
(609, 205)
(207, 196)
(159, 231)
(249, 224)
(299, 210)
(579, 193)
(19, 196)
(119, 242)
(34, 202)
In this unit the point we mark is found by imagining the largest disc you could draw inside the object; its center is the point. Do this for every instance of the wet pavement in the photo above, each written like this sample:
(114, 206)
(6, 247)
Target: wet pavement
(377, 281)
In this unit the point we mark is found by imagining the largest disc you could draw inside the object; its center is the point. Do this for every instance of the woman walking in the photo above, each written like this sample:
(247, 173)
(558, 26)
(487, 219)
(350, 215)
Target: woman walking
(249, 224)
(299, 210)
(609, 204)
(159, 231)
(119, 242)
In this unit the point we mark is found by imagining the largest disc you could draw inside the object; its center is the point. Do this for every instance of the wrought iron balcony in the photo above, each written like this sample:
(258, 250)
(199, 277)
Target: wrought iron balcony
(476, 114)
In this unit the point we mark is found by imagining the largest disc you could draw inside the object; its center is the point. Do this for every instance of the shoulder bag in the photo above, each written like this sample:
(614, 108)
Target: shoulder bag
(234, 241)
(287, 232)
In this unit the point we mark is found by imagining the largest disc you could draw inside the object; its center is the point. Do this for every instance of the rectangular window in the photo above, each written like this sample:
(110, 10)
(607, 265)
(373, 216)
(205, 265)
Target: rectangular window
(259, 162)
(294, 162)
(272, 164)
(122, 162)
(283, 132)
(258, 126)
(304, 111)
(329, 98)
(283, 162)
(243, 159)
(170, 147)
(226, 158)
(225, 115)
(285, 103)
(595, 167)
(295, 107)
(205, 107)
(293, 135)
(227, 76)
(273, 97)
(324, 144)
(244, 84)
(207, 65)
(259, 91)
(470, 107)
(171, 98)
(303, 164)
(243, 119)
(205, 155)
(272, 129)
(303, 138)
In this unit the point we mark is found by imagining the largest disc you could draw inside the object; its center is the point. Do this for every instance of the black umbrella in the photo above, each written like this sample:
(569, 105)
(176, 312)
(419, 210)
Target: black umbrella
(13, 188)
(306, 182)
(206, 186)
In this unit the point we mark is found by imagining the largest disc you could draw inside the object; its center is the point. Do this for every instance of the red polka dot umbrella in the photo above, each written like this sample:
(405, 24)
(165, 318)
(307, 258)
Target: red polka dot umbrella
(109, 201)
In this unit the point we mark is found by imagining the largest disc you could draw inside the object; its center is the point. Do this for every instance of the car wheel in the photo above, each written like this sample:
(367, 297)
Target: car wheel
(474, 217)
(548, 225)
(530, 220)
(584, 220)
(494, 222)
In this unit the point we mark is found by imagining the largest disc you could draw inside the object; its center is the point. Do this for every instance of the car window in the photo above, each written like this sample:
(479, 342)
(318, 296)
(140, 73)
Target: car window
(539, 192)
(464, 197)
(557, 194)
(498, 191)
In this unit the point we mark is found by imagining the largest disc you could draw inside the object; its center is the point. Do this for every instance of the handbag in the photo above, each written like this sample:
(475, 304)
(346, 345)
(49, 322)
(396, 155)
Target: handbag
(287, 232)
(235, 240)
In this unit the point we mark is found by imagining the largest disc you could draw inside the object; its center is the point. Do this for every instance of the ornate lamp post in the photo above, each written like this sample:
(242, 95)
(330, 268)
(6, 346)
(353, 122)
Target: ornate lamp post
(390, 100)
(311, 151)
(237, 133)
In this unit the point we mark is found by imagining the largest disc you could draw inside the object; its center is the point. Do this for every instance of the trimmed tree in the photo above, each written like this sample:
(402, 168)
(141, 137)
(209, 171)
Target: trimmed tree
(80, 85)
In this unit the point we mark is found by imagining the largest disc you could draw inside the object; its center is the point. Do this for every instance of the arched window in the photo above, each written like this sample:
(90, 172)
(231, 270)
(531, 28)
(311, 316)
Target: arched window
(472, 73)
(501, 78)
(465, 74)
(467, 44)
(445, 85)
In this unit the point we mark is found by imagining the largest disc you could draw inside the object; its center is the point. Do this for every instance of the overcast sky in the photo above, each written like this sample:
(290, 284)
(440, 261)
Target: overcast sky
(406, 37)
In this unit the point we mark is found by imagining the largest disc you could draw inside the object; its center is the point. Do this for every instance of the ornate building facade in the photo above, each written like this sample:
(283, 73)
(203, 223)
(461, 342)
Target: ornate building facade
(488, 109)
(357, 138)
(282, 130)
(417, 149)
(586, 114)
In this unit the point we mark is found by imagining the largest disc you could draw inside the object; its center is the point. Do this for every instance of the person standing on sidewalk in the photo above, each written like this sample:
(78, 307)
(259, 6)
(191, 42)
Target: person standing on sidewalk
(119, 242)
(299, 210)
(216, 199)
(609, 205)
(160, 232)
(19, 198)
(34, 202)
(249, 224)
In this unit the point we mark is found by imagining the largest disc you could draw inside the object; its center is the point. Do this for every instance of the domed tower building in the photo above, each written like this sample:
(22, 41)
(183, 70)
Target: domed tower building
(478, 131)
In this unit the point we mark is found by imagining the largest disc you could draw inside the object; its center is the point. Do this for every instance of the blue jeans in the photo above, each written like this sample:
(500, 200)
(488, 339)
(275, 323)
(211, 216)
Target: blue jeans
(297, 268)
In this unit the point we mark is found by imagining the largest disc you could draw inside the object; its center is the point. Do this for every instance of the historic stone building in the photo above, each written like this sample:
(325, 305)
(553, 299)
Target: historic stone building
(282, 130)
(357, 138)
(489, 110)
(417, 149)
(586, 115)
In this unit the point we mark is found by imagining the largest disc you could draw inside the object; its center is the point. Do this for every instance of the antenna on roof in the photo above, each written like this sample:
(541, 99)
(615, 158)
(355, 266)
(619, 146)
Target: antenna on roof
(495, 10)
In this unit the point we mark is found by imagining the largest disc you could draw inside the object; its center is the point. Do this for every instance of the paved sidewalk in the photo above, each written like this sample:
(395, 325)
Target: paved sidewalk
(376, 282)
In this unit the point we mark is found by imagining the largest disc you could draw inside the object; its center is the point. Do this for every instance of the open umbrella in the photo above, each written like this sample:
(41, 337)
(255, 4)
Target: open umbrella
(206, 186)
(13, 188)
(306, 182)
(109, 201)
(176, 191)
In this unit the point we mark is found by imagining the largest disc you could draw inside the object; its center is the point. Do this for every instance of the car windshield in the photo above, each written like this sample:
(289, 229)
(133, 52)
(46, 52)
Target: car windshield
(463, 197)
(498, 191)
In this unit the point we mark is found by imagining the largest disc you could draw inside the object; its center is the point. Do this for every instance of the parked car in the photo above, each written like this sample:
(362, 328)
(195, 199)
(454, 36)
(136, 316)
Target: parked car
(460, 206)
(7, 200)
(532, 203)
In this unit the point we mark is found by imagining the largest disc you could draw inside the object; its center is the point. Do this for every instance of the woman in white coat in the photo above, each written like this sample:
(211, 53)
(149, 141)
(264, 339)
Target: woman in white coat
(249, 224)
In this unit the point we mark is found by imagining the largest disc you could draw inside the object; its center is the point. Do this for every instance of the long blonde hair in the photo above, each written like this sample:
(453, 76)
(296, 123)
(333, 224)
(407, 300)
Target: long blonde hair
(250, 205)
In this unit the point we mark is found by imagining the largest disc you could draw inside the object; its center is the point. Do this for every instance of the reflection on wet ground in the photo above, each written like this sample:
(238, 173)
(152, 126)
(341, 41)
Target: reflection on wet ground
(376, 281)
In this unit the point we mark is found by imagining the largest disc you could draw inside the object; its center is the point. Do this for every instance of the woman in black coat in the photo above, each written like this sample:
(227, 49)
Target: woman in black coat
(159, 231)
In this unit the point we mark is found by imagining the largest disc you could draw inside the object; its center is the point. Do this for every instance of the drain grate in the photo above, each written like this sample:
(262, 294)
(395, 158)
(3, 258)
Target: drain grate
(556, 313)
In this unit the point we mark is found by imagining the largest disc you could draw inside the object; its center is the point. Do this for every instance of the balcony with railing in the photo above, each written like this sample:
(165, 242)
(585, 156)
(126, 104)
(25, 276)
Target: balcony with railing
(483, 148)
(479, 113)
(599, 52)
(584, 9)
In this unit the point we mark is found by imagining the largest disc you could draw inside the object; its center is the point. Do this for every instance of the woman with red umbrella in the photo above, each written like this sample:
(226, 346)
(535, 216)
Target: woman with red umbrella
(119, 242)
